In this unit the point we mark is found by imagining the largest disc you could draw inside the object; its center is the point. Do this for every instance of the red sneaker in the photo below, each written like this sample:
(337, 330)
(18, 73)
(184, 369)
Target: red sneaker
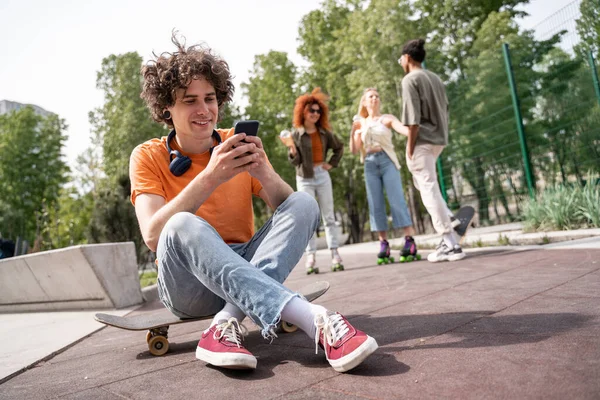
(221, 346)
(345, 347)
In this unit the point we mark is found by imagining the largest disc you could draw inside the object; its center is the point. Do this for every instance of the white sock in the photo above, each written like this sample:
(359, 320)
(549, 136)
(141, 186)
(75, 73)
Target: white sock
(450, 239)
(302, 314)
(227, 312)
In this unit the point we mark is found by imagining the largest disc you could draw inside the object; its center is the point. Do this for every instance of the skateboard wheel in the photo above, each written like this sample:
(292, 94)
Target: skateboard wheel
(158, 345)
(418, 256)
(288, 328)
(379, 261)
(148, 337)
(402, 259)
(410, 258)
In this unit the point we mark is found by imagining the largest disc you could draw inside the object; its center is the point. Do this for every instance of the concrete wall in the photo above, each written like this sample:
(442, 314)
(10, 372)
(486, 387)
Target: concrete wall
(78, 277)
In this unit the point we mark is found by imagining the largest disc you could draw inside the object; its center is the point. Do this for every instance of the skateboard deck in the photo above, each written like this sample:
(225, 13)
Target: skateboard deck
(157, 322)
(464, 215)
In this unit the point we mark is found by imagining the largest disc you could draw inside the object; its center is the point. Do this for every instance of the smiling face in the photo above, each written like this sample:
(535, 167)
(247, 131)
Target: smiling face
(195, 112)
(312, 113)
(371, 100)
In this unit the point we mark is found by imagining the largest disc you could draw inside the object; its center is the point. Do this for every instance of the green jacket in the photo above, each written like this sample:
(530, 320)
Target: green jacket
(303, 161)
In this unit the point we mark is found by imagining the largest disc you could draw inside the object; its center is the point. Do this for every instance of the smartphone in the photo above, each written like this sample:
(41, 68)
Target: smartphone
(250, 128)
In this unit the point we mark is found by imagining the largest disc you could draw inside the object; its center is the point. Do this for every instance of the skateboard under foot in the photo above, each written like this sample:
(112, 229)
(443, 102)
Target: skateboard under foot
(157, 322)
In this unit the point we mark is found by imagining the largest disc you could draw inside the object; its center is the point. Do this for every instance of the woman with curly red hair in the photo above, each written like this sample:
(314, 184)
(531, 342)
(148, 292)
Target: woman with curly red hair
(312, 139)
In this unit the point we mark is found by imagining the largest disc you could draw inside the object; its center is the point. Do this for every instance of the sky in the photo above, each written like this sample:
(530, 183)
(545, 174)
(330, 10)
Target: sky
(51, 51)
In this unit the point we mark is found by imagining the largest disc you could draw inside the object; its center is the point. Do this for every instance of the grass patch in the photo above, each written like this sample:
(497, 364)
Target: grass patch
(564, 208)
(148, 278)
(503, 240)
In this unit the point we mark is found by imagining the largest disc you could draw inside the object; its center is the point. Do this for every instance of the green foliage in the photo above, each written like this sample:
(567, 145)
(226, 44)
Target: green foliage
(588, 28)
(31, 171)
(271, 92)
(453, 26)
(123, 121)
(148, 278)
(589, 203)
(113, 219)
(119, 125)
(503, 240)
(68, 221)
(564, 207)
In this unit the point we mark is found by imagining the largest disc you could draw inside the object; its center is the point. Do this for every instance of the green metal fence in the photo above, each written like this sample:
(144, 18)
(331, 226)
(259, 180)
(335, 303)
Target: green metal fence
(526, 116)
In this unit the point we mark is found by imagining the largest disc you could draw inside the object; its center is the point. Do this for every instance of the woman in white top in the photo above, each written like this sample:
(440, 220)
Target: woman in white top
(372, 138)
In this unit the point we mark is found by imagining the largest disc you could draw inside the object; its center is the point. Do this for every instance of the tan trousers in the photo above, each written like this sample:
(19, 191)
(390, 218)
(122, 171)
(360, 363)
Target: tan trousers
(422, 167)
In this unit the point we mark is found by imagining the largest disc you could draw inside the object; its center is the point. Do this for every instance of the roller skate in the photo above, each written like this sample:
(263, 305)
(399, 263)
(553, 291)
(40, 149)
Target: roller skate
(409, 251)
(336, 261)
(310, 264)
(384, 253)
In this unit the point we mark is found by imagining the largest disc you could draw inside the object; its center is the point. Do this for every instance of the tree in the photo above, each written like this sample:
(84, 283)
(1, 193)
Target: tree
(32, 170)
(322, 33)
(588, 29)
(485, 140)
(118, 126)
(113, 219)
(271, 94)
(123, 121)
(453, 27)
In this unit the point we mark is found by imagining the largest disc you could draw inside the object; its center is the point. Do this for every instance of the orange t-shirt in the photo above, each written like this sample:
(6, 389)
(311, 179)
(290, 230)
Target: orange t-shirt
(317, 148)
(228, 209)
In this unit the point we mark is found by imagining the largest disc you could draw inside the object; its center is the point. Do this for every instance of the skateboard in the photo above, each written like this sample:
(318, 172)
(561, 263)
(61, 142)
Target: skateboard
(157, 322)
(464, 215)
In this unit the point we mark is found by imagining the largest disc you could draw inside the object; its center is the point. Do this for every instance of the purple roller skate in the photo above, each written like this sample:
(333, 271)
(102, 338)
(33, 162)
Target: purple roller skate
(384, 253)
(409, 251)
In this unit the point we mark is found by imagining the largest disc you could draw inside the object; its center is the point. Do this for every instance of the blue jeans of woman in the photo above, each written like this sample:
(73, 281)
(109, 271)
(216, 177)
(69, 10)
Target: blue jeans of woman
(380, 174)
(320, 187)
(198, 272)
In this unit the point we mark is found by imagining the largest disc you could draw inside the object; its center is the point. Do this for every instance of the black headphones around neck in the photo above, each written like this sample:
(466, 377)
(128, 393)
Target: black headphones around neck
(181, 163)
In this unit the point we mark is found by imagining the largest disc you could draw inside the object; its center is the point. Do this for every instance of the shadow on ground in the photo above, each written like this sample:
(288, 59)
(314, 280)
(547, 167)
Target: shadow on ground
(394, 334)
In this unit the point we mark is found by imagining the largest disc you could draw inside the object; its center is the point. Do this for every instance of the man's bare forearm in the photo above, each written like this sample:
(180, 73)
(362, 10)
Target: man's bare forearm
(276, 189)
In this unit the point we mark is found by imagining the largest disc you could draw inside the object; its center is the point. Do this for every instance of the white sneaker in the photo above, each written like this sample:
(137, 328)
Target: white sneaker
(444, 253)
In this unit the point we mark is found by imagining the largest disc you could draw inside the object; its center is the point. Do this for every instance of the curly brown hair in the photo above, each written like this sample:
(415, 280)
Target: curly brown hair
(305, 101)
(170, 72)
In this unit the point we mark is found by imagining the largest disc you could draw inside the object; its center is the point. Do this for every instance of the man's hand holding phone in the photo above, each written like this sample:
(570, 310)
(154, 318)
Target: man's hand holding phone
(250, 129)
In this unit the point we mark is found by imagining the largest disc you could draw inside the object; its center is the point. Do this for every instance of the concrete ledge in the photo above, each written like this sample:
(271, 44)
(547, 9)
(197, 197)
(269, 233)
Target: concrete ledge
(150, 293)
(79, 277)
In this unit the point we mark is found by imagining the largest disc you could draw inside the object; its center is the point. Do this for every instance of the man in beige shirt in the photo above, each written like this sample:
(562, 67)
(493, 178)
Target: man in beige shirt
(425, 112)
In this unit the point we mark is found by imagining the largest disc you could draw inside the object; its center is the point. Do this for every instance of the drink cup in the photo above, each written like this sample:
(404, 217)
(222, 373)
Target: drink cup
(286, 138)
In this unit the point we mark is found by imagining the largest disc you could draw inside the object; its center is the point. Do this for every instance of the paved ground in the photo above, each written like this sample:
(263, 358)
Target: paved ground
(502, 323)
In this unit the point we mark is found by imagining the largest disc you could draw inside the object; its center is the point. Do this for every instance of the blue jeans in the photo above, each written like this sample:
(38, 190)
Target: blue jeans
(198, 272)
(380, 173)
(320, 187)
